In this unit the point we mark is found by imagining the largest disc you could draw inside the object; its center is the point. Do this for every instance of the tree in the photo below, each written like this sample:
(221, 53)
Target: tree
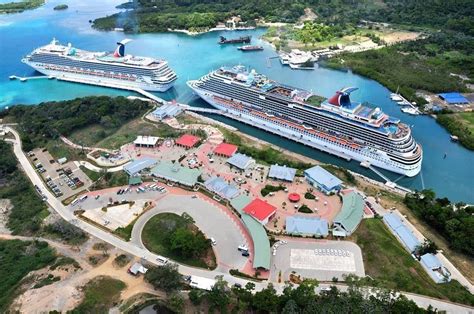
(218, 297)
(426, 247)
(290, 307)
(196, 296)
(164, 277)
(266, 300)
(188, 243)
(176, 302)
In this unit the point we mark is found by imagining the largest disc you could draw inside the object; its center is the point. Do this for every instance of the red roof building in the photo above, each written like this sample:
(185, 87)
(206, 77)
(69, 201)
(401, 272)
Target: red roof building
(225, 149)
(260, 210)
(187, 141)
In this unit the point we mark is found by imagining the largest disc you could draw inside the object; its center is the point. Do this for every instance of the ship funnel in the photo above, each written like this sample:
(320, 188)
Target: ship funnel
(120, 50)
(341, 98)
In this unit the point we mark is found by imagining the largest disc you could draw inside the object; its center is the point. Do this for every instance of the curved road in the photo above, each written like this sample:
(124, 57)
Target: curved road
(133, 249)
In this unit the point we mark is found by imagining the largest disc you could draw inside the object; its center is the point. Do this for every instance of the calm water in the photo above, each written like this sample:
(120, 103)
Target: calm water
(192, 57)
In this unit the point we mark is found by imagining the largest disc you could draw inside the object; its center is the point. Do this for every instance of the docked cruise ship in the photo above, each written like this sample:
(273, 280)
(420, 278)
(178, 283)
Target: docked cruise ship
(111, 69)
(336, 125)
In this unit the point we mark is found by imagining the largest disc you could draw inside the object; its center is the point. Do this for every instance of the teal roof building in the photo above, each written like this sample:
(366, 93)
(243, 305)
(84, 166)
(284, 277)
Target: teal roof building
(350, 216)
(176, 173)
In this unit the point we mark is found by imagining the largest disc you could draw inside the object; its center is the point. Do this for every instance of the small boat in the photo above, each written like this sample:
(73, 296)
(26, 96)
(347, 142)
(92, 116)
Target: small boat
(12, 77)
(410, 110)
(23, 79)
(396, 96)
(240, 40)
(454, 138)
(250, 48)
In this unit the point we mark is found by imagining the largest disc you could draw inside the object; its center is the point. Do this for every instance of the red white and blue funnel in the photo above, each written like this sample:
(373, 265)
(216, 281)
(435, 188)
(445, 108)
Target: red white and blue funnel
(341, 99)
(120, 51)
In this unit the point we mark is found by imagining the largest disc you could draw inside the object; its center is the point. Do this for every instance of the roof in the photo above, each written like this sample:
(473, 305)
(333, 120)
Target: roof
(282, 172)
(240, 161)
(225, 149)
(240, 202)
(392, 220)
(430, 261)
(395, 223)
(134, 180)
(146, 140)
(307, 225)
(167, 110)
(138, 165)
(259, 209)
(454, 98)
(176, 173)
(137, 268)
(351, 212)
(187, 140)
(294, 197)
(222, 188)
(202, 283)
(261, 244)
(408, 239)
(323, 177)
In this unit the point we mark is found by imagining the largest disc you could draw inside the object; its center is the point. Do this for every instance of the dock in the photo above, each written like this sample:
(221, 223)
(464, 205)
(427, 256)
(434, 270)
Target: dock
(405, 102)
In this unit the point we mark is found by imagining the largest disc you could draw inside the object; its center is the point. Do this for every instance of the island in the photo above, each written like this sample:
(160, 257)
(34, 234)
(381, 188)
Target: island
(20, 6)
(61, 7)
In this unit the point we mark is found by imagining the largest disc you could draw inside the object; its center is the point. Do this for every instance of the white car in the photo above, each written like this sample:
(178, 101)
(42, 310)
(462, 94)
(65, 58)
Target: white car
(213, 241)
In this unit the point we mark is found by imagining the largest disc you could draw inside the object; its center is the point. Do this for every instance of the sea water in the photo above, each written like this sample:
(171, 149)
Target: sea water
(193, 56)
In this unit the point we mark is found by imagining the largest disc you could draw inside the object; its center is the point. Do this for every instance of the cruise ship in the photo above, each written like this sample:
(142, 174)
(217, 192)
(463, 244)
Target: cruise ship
(336, 125)
(111, 69)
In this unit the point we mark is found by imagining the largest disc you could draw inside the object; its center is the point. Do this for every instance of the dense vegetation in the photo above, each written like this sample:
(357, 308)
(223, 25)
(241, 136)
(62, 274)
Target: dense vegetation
(39, 124)
(301, 299)
(20, 6)
(422, 65)
(18, 258)
(178, 238)
(100, 294)
(166, 278)
(28, 209)
(390, 266)
(455, 222)
(459, 124)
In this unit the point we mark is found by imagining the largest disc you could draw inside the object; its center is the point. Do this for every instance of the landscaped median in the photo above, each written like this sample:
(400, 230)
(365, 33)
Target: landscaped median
(177, 238)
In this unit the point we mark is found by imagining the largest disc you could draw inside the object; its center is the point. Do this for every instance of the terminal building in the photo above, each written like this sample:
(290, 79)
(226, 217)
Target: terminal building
(241, 161)
(146, 141)
(282, 173)
(307, 226)
(221, 188)
(323, 180)
(350, 216)
(135, 167)
(165, 111)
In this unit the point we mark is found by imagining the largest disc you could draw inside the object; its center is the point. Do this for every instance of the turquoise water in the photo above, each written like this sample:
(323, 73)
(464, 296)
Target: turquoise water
(194, 56)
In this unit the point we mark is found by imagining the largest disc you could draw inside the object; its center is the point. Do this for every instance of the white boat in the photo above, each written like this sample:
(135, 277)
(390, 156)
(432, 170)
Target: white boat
(396, 97)
(410, 110)
(298, 59)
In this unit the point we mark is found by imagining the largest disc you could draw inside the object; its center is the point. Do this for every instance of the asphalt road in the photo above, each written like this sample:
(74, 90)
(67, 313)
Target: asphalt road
(133, 249)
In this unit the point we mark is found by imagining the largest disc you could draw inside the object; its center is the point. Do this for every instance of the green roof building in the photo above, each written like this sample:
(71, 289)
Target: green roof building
(261, 244)
(352, 212)
(135, 180)
(176, 173)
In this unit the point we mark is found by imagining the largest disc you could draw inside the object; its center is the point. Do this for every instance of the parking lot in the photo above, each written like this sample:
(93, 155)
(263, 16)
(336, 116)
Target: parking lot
(63, 180)
(322, 260)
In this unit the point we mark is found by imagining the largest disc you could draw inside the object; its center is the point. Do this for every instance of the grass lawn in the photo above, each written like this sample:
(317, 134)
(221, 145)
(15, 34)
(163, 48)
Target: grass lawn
(157, 235)
(110, 179)
(94, 176)
(392, 267)
(126, 232)
(100, 294)
(58, 149)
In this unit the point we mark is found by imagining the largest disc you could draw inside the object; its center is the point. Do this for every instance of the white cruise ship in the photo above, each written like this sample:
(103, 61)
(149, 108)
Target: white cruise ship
(336, 125)
(111, 69)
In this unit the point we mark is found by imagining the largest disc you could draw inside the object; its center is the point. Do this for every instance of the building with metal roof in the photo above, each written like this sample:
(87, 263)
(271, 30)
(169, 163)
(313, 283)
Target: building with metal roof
(202, 283)
(312, 226)
(350, 216)
(261, 244)
(454, 98)
(322, 179)
(187, 141)
(221, 188)
(135, 180)
(134, 167)
(262, 211)
(167, 110)
(176, 173)
(241, 161)
(395, 223)
(225, 149)
(137, 268)
(435, 269)
(282, 173)
(146, 141)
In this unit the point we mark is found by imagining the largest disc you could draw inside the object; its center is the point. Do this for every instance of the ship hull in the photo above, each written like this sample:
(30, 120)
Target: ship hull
(379, 159)
(100, 81)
